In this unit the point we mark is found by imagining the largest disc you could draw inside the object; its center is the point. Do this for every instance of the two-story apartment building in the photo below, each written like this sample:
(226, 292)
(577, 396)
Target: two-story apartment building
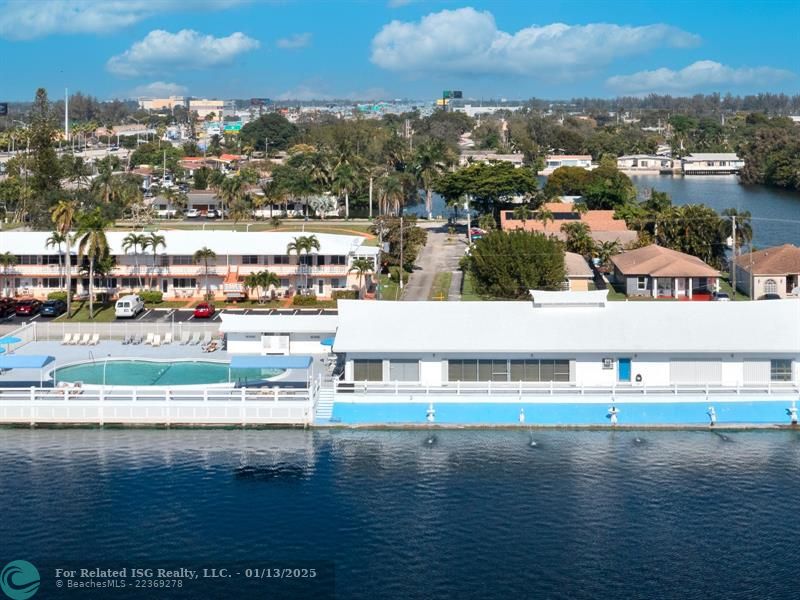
(714, 163)
(173, 270)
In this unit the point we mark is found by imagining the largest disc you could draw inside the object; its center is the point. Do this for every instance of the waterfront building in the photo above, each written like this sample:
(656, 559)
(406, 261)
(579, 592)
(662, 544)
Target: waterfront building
(174, 271)
(719, 163)
(468, 157)
(770, 271)
(554, 161)
(645, 163)
(298, 332)
(661, 272)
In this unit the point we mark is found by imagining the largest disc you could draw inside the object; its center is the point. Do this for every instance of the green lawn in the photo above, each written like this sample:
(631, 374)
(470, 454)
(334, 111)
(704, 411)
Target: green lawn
(389, 289)
(468, 292)
(441, 286)
(80, 313)
(725, 286)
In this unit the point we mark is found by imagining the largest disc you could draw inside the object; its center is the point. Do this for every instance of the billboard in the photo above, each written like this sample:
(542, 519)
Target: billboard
(3, 109)
(233, 127)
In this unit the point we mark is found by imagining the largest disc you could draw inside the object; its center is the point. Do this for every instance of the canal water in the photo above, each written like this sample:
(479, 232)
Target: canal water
(776, 212)
(414, 514)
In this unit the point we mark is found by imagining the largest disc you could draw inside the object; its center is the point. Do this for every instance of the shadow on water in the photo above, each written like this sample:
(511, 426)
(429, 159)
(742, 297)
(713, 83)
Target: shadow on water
(722, 437)
(279, 472)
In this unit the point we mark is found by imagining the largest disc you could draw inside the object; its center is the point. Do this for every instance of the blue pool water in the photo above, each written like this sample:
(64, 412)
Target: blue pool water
(408, 515)
(140, 372)
(639, 413)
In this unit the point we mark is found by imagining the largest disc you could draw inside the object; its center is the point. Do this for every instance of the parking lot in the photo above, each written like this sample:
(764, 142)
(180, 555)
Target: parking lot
(183, 315)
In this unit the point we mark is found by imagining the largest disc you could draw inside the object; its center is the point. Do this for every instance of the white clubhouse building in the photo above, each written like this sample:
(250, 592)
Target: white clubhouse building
(173, 270)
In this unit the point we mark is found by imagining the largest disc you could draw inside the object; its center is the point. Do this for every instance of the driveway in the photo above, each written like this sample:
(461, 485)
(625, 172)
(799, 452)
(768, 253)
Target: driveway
(440, 254)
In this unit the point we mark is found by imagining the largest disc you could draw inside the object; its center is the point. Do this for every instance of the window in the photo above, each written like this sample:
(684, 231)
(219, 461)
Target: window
(770, 286)
(367, 370)
(641, 283)
(129, 282)
(305, 259)
(404, 370)
(184, 282)
(51, 259)
(284, 282)
(250, 260)
(27, 259)
(780, 369)
(338, 260)
(539, 370)
(51, 282)
(492, 370)
(462, 370)
(336, 283)
(280, 260)
(183, 260)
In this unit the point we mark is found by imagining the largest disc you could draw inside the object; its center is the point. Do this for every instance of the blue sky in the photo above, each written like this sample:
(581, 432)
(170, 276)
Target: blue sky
(304, 49)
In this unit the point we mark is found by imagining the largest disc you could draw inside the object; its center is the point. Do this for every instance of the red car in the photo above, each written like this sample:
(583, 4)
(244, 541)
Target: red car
(204, 310)
(27, 308)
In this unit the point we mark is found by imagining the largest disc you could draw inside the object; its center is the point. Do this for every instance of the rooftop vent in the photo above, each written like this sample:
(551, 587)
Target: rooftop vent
(545, 299)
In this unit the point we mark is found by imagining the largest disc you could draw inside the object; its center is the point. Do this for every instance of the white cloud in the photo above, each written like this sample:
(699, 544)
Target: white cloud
(27, 20)
(158, 89)
(468, 42)
(293, 42)
(701, 75)
(400, 3)
(162, 51)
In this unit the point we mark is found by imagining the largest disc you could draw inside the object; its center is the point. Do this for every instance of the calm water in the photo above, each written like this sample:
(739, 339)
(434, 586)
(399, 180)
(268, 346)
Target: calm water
(776, 213)
(472, 514)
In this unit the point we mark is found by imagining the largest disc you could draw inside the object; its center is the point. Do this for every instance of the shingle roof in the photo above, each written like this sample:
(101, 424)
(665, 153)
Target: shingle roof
(576, 266)
(779, 260)
(658, 261)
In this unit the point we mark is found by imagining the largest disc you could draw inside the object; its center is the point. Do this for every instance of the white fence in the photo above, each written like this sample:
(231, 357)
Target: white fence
(115, 330)
(147, 406)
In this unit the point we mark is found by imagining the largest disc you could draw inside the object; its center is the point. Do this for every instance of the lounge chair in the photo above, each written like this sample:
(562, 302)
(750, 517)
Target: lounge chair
(167, 338)
(212, 346)
(84, 341)
(67, 339)
(195, 339)
(127, 340)
(136, 340)
(207, 338)
(156, 341)
(95, 339)
(72, 338)
(149, 339)
(186, 337)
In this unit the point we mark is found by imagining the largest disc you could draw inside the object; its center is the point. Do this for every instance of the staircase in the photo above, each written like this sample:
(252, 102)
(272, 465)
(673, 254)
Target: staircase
(324, 408)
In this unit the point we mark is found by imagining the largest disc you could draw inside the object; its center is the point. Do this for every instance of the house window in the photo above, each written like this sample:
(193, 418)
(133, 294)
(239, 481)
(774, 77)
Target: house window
(249, 260)
(51, 259)
(367, 370)
(462, 370)
(27, 259)
(51, 282)
(338, 260)
(780, 369)
(539, 370)
(280, 260)
(184, 282)
(284, 283)
(183, 260)
(508, 370)
(770, 286)
(404, 370)
(493, 370)
(336, 283)
(641, 283)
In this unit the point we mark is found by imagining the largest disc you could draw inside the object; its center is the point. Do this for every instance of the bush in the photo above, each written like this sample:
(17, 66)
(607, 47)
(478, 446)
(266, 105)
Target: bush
(302, 300)
(344, 295)
(151, 296)
(57, 296)
(394, 275)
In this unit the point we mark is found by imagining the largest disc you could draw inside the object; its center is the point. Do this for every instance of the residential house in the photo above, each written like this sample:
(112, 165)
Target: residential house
(603, 227)
(486, 156)
(554, 161)
(715, 163)
(660, 272)
(770, 271)
(579, 275)
(650, 163)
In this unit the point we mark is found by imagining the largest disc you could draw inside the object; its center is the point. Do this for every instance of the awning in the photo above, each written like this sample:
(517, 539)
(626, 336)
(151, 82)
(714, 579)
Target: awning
(327, 341)
(25, 361)
(270, 362)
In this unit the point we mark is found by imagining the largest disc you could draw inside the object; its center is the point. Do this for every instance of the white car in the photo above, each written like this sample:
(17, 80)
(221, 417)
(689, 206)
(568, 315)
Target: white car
(192, 213)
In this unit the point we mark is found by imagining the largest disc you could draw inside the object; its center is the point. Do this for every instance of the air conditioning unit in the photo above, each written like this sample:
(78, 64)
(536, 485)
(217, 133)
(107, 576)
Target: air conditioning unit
(608, 363)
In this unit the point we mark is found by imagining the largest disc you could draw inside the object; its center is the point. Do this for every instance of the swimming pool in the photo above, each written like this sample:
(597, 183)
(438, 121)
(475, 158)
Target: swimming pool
(142, 372)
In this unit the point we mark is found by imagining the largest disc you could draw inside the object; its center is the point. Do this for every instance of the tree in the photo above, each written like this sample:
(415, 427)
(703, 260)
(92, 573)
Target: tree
(136, 241)
(430, 162)
(271, 126)
(92, 245)
(361, 266)
(7, 260)
(391, 194)
(154, 241)
(63, 217)
(403, 249)
(201, 178)
(303, 244)
(45, 171)
(262, 280)
(509, 264)
(578, 238)
(204, 255)
(56, 240)
(744, 227)
(544, 215)
(344, 181)
(605, 251)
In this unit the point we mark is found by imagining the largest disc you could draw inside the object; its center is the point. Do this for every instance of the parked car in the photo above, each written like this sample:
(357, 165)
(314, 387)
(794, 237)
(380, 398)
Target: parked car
(27, 307)
(721, 297)
(54, 308)
(7, 306)
(192, 213)
(128, 306)
(771, 297)
(204, 310)
(212, 213)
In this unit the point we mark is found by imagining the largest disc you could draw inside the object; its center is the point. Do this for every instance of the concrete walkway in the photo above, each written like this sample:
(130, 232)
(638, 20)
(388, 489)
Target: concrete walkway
(437, 256)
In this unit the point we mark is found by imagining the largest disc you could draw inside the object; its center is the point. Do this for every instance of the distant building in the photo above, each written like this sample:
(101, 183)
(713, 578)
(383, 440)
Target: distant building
(660, 272)
(603, 227)
(474, 111)
(161, 104)
(204, 107)
(578, 273)
(769, 271)
(645, 163)
(486, 156)
(721, 163)
(554, 161)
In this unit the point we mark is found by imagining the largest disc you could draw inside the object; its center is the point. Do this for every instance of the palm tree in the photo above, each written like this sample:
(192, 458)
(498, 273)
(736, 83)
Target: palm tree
(522, 213)
(429, 164)
(54, 241)
(154, 241)
(544, 215)
(268, 279)
(103, 184)
(7, 260)
(204, 255)
(92, 245)
(362, 266)
(606, 250)
(744, 227)
(135, 241)
(303, 244)
(253, 282)
(578, 238)
(391, 194)
(229, 192)
(344, 181)
(63, 217)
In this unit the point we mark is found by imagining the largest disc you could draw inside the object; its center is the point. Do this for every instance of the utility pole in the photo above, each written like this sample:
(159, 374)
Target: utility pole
(401, 254)
(66, 114)
(266, 148)
(733, 261)
(370, 196)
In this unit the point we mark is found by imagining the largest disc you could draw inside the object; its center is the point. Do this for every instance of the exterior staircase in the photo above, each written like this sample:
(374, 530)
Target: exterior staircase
(324, 408)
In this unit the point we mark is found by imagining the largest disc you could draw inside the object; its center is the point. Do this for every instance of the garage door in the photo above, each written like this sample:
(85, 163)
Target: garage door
(695, 371)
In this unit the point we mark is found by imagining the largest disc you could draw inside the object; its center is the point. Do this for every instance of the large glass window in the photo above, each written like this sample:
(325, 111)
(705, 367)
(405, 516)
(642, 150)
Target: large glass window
(404, 370)
(770, 286)
(367, 370)
(780, 369)
(280, 259)
(249, 259)
(509, 370)
(462, 370)
(338, 260)
(183, 260)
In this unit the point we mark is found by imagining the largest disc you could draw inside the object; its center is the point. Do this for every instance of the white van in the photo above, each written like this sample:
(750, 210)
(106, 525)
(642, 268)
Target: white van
(128, 306)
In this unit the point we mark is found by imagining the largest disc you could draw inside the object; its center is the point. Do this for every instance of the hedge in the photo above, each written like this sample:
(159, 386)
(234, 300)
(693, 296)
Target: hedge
(344, 295)
(301, 300)
(151, 296)
(57, 296)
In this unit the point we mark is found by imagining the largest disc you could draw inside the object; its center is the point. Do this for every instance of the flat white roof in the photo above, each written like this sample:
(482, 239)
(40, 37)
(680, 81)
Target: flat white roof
(232, 323)
(712, 156)
(185, 242)
(518, 327)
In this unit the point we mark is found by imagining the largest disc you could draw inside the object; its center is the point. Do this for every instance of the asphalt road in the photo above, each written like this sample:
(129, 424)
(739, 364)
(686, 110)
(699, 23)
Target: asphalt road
(440, 254)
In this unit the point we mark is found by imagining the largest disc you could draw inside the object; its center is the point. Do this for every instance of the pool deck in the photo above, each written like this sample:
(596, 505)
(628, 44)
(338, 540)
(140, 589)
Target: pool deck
(116, 350)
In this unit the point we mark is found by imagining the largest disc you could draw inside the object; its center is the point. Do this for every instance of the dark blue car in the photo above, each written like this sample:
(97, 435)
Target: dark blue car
(53, 308)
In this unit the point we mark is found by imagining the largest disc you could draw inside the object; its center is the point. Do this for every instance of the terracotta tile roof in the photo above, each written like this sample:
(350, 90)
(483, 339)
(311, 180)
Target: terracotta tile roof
(657, 261)
(563, 212)
(779, 260)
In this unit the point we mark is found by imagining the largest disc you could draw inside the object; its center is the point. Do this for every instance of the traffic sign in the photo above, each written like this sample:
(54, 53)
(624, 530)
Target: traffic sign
(3, 109)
